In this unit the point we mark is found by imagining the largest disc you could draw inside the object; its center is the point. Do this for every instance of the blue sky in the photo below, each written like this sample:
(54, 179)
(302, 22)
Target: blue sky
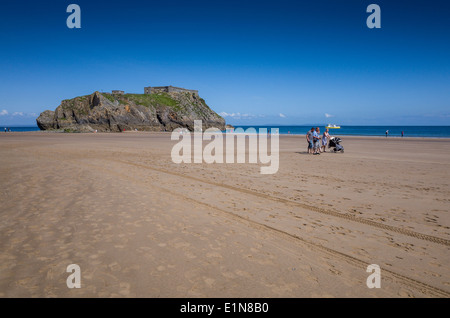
(255, 62)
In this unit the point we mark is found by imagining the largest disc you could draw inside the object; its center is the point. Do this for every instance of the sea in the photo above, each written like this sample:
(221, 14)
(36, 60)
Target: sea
(19, 128)
(394, 131)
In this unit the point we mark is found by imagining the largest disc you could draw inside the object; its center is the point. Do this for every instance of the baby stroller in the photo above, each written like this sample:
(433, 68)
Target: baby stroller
(334, 143)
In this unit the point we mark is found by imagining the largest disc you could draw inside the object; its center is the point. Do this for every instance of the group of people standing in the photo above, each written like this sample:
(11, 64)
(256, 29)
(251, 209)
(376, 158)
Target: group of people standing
(316, 142)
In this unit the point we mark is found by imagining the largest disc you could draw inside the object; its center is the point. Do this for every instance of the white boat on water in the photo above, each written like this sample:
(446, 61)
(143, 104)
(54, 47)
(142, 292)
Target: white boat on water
(330, 126)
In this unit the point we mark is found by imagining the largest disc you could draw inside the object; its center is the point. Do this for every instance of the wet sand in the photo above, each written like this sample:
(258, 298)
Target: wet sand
(139, 225)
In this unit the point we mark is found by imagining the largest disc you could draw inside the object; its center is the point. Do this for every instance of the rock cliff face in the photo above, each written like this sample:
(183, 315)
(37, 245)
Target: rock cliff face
(113, 113)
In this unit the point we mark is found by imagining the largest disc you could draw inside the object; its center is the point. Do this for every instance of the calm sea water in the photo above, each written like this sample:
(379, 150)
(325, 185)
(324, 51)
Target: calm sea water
(19, 128)
(394, 131)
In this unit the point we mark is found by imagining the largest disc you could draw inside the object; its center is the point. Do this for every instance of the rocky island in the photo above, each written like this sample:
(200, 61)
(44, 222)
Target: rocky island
(162, 108)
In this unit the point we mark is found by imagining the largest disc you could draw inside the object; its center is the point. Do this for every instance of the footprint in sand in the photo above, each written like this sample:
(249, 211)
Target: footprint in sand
(405, 293)
(114, 267)
(209, 281)
(228, 275)
(125, 289)
(190, 255)
(335, 271)
(214, 255)
(181, 245)
(242, 273)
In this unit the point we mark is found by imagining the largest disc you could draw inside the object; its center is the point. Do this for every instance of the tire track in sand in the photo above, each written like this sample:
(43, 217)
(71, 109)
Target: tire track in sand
(421, 236)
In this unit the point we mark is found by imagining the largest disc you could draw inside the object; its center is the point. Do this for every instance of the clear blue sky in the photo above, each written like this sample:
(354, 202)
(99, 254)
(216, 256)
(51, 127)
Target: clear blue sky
(256, 62)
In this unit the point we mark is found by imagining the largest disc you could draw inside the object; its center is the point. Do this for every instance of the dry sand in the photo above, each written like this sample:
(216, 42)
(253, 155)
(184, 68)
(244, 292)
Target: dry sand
(139, 225)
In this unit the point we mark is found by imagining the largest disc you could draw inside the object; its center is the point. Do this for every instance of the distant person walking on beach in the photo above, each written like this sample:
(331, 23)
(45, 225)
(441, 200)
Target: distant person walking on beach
(402, 133)
(316, 139)
(325, 138)
(5, 129)
(309, 139)
(387, 133)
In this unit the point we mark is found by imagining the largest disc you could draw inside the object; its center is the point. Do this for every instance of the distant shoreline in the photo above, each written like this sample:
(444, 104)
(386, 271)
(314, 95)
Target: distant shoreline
(415, 132)
(359, 137)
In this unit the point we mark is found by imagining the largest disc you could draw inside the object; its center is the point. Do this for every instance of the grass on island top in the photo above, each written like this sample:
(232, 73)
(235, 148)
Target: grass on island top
(144, 99)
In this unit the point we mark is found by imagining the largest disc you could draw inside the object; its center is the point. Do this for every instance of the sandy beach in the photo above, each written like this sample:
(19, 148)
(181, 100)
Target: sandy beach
(139, 225)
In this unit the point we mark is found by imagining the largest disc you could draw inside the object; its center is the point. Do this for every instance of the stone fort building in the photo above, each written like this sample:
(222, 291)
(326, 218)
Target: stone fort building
(168, 89)
(160, 89)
